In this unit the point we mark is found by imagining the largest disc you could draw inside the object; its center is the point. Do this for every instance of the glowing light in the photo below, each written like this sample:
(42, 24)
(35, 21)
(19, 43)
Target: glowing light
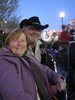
(62, 14)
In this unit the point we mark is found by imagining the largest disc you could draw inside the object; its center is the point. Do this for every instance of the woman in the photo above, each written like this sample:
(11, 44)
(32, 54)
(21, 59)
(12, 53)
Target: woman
(17, 78)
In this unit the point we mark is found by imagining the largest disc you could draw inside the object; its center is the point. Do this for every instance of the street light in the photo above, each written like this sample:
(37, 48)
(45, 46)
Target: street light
(62, 14)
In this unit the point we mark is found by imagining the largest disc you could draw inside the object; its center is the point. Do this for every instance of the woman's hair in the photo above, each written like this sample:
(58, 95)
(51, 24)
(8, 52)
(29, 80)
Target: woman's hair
(13, 35)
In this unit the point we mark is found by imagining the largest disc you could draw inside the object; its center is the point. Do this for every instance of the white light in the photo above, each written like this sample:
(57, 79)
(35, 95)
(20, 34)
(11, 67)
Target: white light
(45, 36)
(5, 22)
(62, 14)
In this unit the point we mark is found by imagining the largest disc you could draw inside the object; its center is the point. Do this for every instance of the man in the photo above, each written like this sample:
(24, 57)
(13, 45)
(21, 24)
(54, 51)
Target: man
(33, 28)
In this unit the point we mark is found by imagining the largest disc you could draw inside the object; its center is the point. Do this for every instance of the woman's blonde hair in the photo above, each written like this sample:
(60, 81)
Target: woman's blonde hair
(13, 35)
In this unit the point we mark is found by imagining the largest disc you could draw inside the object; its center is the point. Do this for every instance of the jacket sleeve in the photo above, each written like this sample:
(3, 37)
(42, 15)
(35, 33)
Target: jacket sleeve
(53, 75)
(11, 86)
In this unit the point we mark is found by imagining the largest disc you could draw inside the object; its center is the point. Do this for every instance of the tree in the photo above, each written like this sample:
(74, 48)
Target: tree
(8, 15)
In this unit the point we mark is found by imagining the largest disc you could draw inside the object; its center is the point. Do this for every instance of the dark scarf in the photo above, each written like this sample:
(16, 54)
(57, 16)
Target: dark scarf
(40, 81)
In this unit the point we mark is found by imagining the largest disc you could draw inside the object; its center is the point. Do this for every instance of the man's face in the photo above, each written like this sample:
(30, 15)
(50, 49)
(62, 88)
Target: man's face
(33, 35)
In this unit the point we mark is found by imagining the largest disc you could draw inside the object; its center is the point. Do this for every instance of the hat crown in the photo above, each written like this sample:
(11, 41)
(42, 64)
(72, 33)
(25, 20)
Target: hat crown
(34, 20)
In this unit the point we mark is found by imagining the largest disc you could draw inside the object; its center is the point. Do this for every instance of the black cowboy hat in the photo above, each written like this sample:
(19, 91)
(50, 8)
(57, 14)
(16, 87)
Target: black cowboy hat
(33, 21)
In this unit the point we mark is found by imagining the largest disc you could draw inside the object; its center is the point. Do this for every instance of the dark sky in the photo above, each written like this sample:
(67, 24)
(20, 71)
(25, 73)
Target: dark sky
(48, 11)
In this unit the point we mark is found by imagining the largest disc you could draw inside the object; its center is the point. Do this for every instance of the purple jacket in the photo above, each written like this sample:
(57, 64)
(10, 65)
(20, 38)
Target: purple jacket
(16, 79)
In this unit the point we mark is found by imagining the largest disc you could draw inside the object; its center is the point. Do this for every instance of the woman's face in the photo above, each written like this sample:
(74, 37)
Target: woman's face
(19, 46)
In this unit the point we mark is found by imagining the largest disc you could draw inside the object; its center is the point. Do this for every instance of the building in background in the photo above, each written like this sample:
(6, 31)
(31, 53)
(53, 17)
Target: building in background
(47, 34)
(72, 23)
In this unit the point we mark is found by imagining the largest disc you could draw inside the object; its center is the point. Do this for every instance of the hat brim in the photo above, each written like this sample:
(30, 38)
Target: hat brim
(40, 26)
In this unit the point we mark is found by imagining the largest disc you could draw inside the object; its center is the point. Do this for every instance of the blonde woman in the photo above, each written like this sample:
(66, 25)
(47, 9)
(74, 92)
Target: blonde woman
(17, 79)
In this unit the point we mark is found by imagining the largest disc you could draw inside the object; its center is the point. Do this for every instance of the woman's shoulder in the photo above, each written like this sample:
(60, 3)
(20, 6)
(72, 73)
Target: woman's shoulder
(7, 56)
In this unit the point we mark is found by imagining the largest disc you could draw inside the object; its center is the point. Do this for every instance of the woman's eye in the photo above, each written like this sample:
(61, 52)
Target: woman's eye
(14, 40)
(23, 40)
